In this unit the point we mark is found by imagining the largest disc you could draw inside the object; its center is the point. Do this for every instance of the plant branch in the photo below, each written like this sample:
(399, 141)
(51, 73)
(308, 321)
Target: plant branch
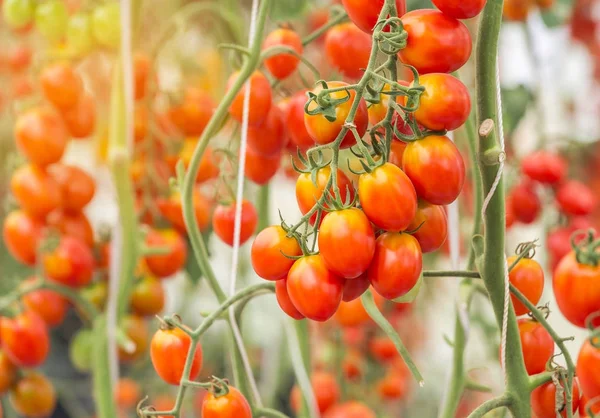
(502, 401)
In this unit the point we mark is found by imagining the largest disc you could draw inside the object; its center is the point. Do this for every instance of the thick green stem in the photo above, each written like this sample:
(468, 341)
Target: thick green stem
(103, 393)
(490, 405)
(263, 207)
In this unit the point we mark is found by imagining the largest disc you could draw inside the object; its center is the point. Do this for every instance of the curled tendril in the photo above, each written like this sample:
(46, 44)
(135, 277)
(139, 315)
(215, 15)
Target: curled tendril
(526, 249)
(219, 387)
(392, 41)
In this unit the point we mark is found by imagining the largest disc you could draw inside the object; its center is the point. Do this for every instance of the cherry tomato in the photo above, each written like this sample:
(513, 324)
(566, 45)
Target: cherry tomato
(325, 388)
(35, 190)
(269, 138)
(51, 19)
(18, 14)
(22, 234)
(224, 222)
(19, 58)
(588, 369)
(78, 187)
(525, 203)
(436, 168)
(140, 123)
(294, 121)
(383, 349)
(74, 224)
(352, 314)
(79, 36)
(308, 193)
(392, 386)
(396, 266)
(137, 331)
(352, 409)
(323, 131)
(49, 305)
(127, 393)
(528, 277)
(106, 25)
(349, 228)
(544, 167)
(194, 112)
(432, 225)
(353, 365)
(166, 265)
(284, 301)
(61, 84)
(232, 405)
(33, 396)
(314, 290)
(25, 339)
(365, 13)
(172, 210)
(142, 67)
(284, 64)
(577, 290)
(355, 288)
(71, 263)
(543, 400)
(168, 351)
(575, 198)
(261, 97)
(80, 120)
(348, 49)
(537, 345)
(269, 251)
(388, 197)
(8, 373)
(517, 10)
(260, 169)
(460, 9)
(208, 169)
(437, 43)
(445, 104)
(148, 297)
(41, 136)
(397, 153)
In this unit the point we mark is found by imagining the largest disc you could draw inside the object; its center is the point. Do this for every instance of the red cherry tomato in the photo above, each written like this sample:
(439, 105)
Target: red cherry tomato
(284, 64)
(577, 290)
(166, 265)
(388, 197)
(349, 228)
(71, 263)
(33, 396)
(80, 120)
(261, 97)
(365, 13)
(269, 138)
(325, 388)
(588, 369)
(537, 345)
(269, 251)
(21, 234)
(396, 266)
(543, 400)
(78, 187)
(460, 9)
(383, 349)
(148, 297)
(260, 169)
(544, 167)
(433, 226)
(575, 198)
(559, 239)
(224, 222)
(172, 210)
(355, 288)
(284, 301)
(348, 49)
(392, 386)
(314, 290)
(127, 393)
(74, 225)
(528, 277)
(445, 104)
(25, 339)
(323, 131)
(436, 168)
(49, 305)
(61, 85)
(194, 112)
(294, 121)
(35, 190)
(232, 405)
(525, 203)
(41, 136)
(168, 351)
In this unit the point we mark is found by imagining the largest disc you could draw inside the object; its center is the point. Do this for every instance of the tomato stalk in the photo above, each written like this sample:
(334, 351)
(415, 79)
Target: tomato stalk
(340, 16)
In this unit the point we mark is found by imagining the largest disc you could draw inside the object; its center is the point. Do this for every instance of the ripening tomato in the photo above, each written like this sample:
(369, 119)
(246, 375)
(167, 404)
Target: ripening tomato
(284, 301)
(314, 290)
(355, 288)
(209, 168)
(78, 187)
(348, 49)
(545, 167)
(171, 209)
(51, 19)
(148, 297)
(528, 277)
(72, 224)
(61, 84)
(136, 329)
(194, 112)
(396, 266)
(445, 104)
(460, 9)
(33, 396)
(22, 234)
(397, 153)
(19, 58)
(588, 369)
(388, 197)
(575, 198)
(352, 409)
(323, 131)
(18, 14)
(436, 168)
(577, 290)
(25, 339)
(325, 388)
(71, 263)
(261, 97)
(525, 203)
(587, 409)
(308, 193)
(79, 37)
(269, 138)
(349, 228)
(432, 225)
(166, 265)
(8, 373)
(365, 13)
(168, 351)
(41, 136)
(260, 169)
(35, 190)
(392, 386)
(437, 43)
(106, 26)
(544, 4)
(49, 305)
(383, 349)
(232, 405)
(517, 10)
(80, 119)
(543, 400)
(537, 345)
(352, 314)
(127, 393)
(224, 222)
(282, 65)
(270, 251)
(142, 67)
(294, 122)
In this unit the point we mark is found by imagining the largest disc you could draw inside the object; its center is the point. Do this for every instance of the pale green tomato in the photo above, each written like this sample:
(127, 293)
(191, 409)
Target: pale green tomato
(106, 25)
(51, 19)
(79, 34)
(18, 13)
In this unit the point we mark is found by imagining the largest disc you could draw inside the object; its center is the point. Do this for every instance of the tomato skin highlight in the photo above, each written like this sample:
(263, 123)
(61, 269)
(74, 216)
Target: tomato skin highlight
(269, 251)
(544, 167)
(348, 49)
(537, 345)
(166, 265)
(284, 301)
(575, 198)
(436, 43)
(283, 65)
(224, 222)
(232, 405)
(388, 197)
(21, 234)
(25, 339)
(261, 98)
(433, 226)
(543, 401)
(396, 266)
(365, 13)
(588, 366)
(314, 290)
(460, 9)
(33, 396)
(41, 136)
(528, 277)
(168, 351)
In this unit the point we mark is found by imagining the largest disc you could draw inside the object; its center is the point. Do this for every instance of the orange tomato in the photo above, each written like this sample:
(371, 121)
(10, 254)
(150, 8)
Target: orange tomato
(36, 191)
(41, 136)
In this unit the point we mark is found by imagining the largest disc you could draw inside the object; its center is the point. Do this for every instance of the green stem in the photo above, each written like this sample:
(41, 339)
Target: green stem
(489, 406)
(339, 18)
(269, 413)
(451, 273)
(263, 207)
(299, 346)
(103, 392)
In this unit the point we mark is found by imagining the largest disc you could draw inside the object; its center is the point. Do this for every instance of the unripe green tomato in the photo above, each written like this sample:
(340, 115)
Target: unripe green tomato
(79, 34)
(106, 25)
(18, 13)
(51, 20)
(80, 350)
